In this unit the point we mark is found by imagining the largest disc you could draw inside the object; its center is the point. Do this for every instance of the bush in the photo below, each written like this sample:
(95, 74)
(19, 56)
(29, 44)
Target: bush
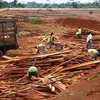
(36, 20)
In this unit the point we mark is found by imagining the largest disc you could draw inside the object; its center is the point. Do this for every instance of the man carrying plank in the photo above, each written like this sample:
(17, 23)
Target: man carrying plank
(50, 39)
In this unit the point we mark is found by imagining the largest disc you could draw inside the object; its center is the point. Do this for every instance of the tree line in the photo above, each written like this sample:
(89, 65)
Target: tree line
(5, 4)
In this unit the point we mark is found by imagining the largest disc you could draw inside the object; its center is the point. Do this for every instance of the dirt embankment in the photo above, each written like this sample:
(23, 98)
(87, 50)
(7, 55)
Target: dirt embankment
(76, 22)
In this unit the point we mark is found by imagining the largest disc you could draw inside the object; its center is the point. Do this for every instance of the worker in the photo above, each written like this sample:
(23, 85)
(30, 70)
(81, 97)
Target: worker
(64, 29)
(32, 71)
(78, 33)
(40, 48)
(89, 40)
(93, 53)
(51, 40)
(64, 32)
(58, 46)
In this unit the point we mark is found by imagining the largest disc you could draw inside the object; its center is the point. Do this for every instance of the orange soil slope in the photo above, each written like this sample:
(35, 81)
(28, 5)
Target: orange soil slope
(76, 22)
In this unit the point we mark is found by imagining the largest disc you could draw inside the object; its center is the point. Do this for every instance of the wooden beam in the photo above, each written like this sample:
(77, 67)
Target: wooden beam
(89, 64)
(50, 61)
(6, 57)
(52, 54)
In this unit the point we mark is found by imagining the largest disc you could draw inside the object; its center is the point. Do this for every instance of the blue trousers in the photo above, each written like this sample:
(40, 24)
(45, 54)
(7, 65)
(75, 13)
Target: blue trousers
(59, 46)
(42, 48)
(94, 57)
(50, 44)
(88, 45)
(79, 36)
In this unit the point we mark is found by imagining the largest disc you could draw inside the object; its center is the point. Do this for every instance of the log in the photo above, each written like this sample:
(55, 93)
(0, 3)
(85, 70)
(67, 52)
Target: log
(89, 64)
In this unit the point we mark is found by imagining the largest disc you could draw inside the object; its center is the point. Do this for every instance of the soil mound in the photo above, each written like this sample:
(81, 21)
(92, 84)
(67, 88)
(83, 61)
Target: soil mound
(76, 22)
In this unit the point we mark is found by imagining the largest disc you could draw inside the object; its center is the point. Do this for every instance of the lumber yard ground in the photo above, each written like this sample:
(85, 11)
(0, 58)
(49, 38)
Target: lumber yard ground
(67, 74)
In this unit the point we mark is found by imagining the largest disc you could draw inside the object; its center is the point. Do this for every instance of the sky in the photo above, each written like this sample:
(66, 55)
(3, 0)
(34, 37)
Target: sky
(50, 1)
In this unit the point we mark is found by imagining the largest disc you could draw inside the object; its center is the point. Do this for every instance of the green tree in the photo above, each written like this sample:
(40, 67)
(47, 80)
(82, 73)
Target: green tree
(3, 4)
(98, 1)
(21, 5)
(0, 3)
(75, 5)
(15, 3)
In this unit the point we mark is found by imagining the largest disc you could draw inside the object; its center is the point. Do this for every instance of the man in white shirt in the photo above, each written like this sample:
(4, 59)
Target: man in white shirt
(89, 40)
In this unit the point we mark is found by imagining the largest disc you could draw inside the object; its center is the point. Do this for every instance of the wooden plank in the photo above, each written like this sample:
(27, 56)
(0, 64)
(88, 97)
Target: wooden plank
(70, 60)
(14, 60)
(43, 65)
(82, 65)
(13, 93)
(50, 61)
(6, 57)
(92, 31)
(58, 66)
(52, 54)
(52, 70)
(60, 86)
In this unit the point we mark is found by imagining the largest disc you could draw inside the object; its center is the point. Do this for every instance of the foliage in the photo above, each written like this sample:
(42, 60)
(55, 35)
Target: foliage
(15, 3)
(5, 4)
(73, 4)
(96, 76)
(36, 20)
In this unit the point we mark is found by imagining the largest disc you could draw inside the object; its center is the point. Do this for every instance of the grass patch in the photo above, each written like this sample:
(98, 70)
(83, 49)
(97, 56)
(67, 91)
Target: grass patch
(36, 20)
(96, 76)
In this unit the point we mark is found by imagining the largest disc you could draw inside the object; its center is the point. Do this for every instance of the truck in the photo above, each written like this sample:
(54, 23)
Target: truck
(8, 36)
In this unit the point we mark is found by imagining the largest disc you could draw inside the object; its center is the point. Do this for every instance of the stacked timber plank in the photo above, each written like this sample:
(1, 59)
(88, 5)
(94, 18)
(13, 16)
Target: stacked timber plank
(57, 71)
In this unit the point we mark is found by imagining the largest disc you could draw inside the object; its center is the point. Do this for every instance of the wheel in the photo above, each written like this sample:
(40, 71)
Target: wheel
(1, 54)
(99, 51)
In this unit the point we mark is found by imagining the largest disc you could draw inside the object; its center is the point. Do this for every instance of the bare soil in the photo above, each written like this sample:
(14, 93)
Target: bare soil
(88, 86)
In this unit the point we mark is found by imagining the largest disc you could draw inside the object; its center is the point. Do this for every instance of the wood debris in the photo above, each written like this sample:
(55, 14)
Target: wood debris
(56, 74)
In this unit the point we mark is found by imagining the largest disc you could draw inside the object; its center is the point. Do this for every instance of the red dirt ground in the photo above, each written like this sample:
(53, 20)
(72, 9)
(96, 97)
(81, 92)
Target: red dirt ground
(87, 88)
(83, 23)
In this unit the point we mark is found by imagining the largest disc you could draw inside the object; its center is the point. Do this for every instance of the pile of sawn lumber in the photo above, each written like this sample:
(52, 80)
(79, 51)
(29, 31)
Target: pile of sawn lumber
(57, 71)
